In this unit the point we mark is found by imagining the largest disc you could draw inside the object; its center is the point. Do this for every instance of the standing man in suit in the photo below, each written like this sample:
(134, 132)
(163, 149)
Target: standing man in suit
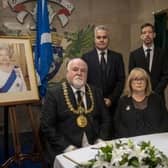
(74, 114)
(153, 60)
(105, 69)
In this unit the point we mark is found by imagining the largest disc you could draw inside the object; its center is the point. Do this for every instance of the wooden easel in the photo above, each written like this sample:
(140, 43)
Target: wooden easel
(18, 156)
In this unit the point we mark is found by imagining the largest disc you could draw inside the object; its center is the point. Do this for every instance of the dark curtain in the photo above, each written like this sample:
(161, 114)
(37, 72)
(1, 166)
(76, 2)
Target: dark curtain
(161, 39)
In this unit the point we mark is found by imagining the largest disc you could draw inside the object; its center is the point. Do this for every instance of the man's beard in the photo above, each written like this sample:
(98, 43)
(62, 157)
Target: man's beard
(78, 82)
(148, 41)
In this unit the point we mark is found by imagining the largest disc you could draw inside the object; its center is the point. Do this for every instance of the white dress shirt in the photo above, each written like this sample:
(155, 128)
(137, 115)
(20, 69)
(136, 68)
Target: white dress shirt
(84, 138)
(99, 55)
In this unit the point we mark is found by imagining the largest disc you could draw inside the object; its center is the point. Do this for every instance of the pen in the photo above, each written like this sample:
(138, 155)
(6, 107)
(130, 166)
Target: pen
(75, 162)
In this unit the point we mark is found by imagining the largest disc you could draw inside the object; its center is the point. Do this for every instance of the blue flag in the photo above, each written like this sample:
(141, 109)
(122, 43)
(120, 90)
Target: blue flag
(43, 49)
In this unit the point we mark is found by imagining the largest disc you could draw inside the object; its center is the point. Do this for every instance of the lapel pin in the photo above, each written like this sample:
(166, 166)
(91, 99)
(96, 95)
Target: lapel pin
(128, 108)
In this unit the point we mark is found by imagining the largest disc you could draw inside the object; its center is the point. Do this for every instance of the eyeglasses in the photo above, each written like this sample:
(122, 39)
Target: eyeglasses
(139, 79)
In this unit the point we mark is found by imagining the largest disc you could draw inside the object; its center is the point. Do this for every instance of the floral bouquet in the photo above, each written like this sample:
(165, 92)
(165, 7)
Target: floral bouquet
(126, 154)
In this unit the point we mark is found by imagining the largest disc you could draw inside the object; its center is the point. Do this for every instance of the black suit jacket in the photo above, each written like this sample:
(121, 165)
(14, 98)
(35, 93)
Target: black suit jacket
(58, 124)
(154, 117)
(115, 73)
(159, 70)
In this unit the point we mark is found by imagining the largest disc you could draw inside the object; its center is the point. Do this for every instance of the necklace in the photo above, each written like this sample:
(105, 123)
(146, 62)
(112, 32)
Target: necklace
(69, 103)
(81, 120)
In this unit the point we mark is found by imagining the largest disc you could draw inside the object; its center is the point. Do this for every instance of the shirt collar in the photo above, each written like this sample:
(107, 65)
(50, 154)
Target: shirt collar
(81, 89)
(145, 47)
(99, 51)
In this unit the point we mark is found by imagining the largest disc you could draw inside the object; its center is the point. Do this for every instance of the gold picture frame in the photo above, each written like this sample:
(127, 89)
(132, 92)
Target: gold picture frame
(20, 86)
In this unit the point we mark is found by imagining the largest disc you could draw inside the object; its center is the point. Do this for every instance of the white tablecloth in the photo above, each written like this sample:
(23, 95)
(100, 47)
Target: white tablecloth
(87, 153)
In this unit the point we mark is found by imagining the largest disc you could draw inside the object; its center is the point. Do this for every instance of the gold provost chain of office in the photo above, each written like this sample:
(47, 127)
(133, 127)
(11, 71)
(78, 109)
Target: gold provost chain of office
(69, 104)
(81, 119)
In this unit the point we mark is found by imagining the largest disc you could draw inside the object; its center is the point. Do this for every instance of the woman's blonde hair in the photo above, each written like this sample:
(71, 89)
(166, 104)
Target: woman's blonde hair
(133, 74)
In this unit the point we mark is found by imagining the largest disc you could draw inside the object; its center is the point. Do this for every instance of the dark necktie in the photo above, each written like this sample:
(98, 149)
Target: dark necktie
(103, 72)
(148, 57)
(103, 62)
(79, 98)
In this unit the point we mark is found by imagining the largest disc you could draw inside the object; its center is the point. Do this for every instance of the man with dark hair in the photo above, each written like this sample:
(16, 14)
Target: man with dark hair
(154, 60)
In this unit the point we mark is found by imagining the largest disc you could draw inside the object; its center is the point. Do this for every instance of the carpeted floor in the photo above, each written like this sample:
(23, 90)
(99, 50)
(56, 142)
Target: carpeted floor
(27, 145)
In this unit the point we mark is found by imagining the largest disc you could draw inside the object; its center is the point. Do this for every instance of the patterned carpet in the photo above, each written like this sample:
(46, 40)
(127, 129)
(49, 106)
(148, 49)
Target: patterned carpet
(26, 145)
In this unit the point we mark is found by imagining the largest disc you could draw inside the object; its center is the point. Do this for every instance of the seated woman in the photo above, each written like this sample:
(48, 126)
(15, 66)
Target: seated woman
(140, 111)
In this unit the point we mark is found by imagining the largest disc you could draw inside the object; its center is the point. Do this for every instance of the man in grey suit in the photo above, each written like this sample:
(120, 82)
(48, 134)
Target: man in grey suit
(74, 114)
(105, 69)
(154, 60)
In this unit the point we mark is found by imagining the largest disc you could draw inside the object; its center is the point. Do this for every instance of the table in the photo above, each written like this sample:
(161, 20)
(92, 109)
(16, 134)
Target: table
(87, 153)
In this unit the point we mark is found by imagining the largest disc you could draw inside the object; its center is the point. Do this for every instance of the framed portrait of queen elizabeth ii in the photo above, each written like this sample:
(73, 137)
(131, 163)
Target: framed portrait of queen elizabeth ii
(17, 74)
